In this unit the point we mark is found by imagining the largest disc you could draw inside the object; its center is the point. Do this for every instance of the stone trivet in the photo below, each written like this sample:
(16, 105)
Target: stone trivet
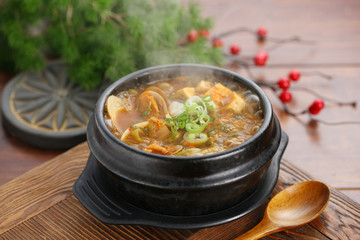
(45, 109)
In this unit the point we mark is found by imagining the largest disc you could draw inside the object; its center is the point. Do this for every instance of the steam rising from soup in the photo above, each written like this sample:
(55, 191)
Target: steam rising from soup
(184, 116)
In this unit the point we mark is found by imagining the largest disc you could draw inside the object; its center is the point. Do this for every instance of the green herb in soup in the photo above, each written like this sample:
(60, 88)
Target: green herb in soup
(184, 116)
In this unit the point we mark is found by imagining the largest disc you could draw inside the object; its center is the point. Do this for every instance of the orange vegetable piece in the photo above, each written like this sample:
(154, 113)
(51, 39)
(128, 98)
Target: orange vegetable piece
(156, 148)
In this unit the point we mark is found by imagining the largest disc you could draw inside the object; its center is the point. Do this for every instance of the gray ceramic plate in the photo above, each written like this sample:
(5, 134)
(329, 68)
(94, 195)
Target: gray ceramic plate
(45, 109)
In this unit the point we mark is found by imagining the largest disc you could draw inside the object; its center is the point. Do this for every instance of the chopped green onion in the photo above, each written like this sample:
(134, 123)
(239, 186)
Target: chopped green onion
(204, 120)
(196, 138)
(189, 105)
(193, 127)
(195, 118)
(147, 111)
(176, 96)
(207, 98)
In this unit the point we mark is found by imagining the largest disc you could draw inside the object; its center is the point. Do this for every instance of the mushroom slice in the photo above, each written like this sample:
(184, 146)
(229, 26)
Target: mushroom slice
(113, 106)
(127, 132)
(152, 104)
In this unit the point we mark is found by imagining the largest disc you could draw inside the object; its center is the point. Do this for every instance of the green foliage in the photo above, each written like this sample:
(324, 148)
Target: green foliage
(101, 39)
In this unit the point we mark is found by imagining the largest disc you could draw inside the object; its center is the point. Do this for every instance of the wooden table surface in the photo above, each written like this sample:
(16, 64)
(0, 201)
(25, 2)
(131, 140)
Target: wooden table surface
(40, 204)
(328, 153)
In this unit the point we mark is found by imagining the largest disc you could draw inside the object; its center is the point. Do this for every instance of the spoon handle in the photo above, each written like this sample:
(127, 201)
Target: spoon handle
(264, 228)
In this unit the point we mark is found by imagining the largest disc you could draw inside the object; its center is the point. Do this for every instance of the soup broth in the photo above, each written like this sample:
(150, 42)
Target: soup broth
(184, 116)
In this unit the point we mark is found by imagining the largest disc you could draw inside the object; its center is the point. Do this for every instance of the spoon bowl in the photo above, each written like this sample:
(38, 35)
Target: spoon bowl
(294, 206)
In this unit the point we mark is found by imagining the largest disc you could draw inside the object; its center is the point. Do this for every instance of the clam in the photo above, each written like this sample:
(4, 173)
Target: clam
(174, 149)
(252, 103)
(165, 87)
(113, 106)
(152, 104)
(159, 91)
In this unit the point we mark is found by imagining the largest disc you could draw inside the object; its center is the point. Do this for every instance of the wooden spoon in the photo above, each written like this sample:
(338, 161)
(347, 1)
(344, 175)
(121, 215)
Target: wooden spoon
(294, 206)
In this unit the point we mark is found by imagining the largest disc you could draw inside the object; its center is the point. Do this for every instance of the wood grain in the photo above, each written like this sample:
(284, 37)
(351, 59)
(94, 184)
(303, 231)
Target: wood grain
(332, 25)
(40, 205)
(41, 187)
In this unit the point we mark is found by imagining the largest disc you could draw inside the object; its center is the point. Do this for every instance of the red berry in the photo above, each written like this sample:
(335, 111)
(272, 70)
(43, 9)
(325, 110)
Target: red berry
(261, 32)
(192, 36)
(320, 103)
(285, 96)
(261, 58)
(204, 33)
(284, 83)
(316, 106)
(235, 49)
(294, 75)
(217, 42)
(314, 110)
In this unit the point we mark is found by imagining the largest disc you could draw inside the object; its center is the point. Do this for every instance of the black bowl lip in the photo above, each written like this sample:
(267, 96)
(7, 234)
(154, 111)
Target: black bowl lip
(99, 120)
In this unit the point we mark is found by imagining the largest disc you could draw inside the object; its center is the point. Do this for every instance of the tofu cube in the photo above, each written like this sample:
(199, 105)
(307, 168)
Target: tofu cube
(203, 86)
(236, 102)
(188, 92)
(219, 93)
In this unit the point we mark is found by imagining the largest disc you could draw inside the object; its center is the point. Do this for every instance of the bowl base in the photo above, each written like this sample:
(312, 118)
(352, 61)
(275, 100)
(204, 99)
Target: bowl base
(94, 194)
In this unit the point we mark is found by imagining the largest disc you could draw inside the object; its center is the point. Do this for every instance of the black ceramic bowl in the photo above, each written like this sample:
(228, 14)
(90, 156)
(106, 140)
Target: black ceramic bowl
(183, 186)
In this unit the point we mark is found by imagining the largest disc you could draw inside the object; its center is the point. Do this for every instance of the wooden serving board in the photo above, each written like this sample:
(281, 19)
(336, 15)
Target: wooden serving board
(40, 204)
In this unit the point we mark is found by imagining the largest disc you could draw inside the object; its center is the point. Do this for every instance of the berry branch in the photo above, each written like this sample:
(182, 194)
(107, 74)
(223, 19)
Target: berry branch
(279, 42)
(281, 87)
(339, 103)
(318, 73)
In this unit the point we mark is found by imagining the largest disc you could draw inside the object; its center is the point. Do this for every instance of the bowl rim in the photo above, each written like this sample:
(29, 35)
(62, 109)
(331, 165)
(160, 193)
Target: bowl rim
(99, 109)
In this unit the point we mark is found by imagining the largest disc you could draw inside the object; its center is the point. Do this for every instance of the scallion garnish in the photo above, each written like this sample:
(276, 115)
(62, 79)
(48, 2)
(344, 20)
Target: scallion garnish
(147, 111)
(195, 118)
